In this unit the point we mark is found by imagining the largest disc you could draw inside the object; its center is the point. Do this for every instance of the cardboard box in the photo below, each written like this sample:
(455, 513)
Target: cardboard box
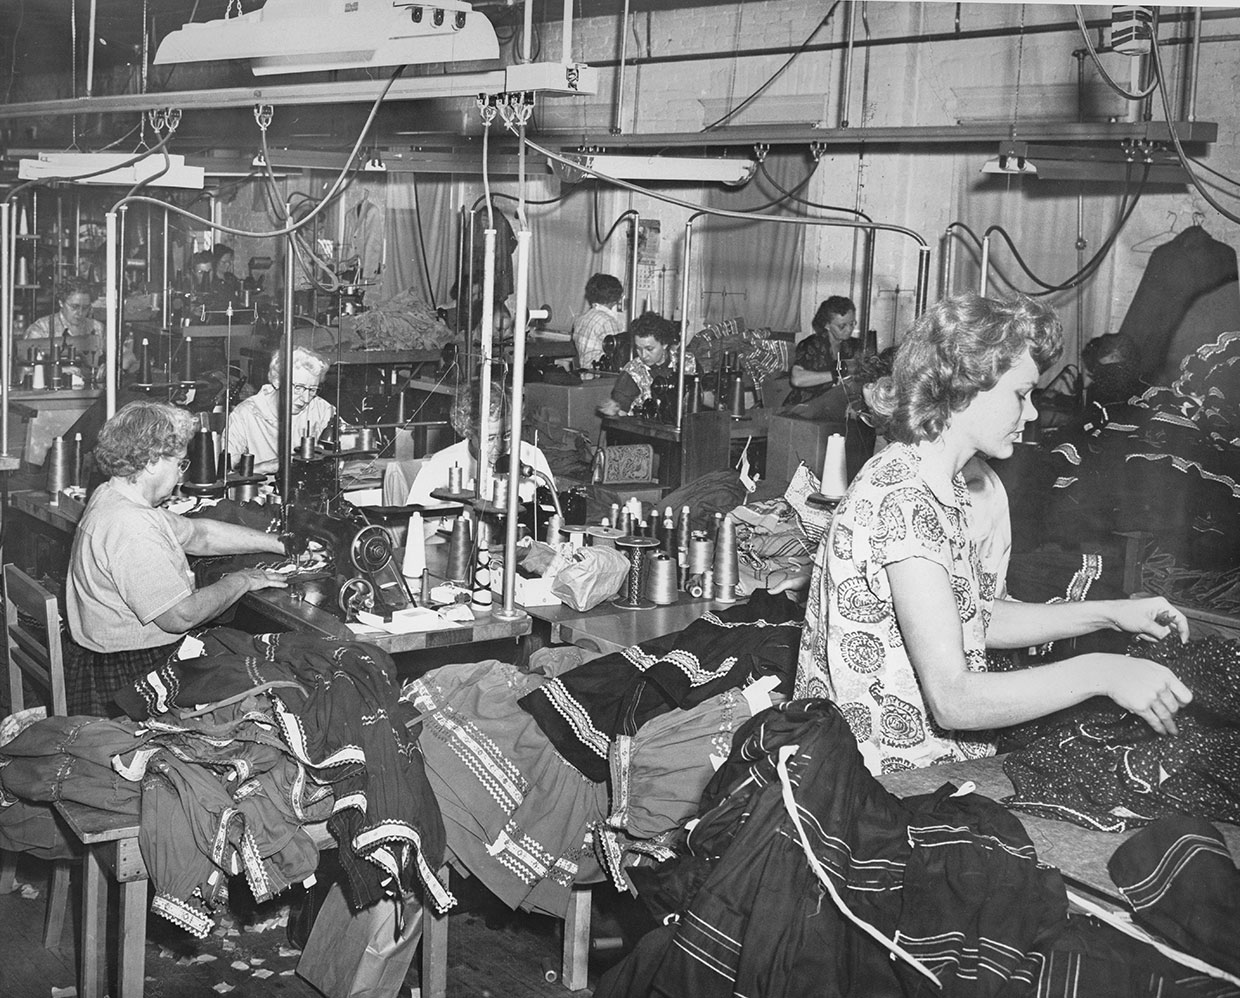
(529, 592)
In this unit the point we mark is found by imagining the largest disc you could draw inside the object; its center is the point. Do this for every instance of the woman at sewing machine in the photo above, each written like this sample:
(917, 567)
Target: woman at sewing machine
(436, 470)
(74, 331)
(656, 344)
(254, 425)
(130, 596)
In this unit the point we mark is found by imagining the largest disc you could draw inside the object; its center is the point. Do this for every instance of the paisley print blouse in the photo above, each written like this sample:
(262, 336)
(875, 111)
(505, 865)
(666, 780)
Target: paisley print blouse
(852, 650)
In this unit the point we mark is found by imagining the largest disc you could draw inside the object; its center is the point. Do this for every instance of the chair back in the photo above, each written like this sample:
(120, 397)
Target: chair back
(28, 652)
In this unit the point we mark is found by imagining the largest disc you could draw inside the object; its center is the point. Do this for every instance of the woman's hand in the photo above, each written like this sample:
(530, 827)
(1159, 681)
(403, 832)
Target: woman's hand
(258, 578)
(1146, 688)
(1152, 618)
(609, 407)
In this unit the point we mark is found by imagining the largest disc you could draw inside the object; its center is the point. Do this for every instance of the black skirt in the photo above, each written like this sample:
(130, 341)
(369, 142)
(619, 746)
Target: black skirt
(92, 678)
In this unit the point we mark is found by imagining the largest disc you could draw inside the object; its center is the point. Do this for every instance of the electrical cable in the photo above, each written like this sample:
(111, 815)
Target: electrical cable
(774, 76)
(332, 192)
(21, 17)
(1210, 169)
(38, 181)
(1087, 271)
(793, 194)
(1106, 77)
(1175, 138)
(417, 214)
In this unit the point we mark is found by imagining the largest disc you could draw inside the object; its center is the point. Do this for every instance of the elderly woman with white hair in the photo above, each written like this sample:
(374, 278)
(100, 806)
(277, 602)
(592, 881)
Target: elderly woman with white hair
(130, 596)
(254, 425)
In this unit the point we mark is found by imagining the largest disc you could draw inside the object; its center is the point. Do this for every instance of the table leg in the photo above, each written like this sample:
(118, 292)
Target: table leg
(577, 940)
(435, 949)
(132, 939)
(92, 956)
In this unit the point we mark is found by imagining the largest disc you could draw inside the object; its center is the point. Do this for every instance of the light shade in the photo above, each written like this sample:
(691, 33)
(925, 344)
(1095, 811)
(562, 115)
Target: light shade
(71, 165)
(301, 36)
(682, 169)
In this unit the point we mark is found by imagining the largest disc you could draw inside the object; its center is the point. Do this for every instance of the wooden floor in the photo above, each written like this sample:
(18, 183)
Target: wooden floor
(493, 953)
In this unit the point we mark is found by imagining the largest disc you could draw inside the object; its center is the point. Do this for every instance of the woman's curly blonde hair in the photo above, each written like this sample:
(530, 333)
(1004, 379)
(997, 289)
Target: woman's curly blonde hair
(140, 433)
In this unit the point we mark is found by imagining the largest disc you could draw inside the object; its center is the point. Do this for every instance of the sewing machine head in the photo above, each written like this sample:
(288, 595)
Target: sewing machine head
(361, 556)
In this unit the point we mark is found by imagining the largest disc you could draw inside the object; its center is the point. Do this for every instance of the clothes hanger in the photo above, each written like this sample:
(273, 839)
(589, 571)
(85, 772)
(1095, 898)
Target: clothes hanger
(1148, 244)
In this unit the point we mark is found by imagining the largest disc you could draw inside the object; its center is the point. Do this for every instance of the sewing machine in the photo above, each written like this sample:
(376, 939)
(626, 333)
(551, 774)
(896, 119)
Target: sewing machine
(363, 574)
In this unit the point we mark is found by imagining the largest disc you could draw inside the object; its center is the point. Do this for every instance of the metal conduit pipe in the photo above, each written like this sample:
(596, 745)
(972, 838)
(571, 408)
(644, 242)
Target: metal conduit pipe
(483, 483)
(923, 266)
(6, 324)
(633, 269)
(1057, 27)
(509, 609)
(1195, 65)
(617, 125)
(284, 436)
(850, 30)
(111, 338)
(985, 275)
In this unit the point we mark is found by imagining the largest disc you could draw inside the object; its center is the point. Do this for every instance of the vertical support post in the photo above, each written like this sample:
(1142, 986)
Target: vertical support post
(1194, 65)
(984, 279)
(485, 457)
(509, 611)
(6, 324)
(850, 30)
(684, 325)
(637, 223)
(566, 27)
(923, 280)
(617, 115)
(90, 50)
(111, 338)
(284, 438)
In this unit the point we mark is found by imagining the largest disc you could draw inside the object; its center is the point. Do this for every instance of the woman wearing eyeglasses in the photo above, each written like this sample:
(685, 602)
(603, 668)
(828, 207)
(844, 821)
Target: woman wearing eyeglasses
(254, 425)
(130, 595)
(72, 326)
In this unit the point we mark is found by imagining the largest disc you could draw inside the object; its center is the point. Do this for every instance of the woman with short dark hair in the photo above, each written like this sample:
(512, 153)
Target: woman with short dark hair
(130, 596)
(822, 358)
(903, 600)
(656, 348)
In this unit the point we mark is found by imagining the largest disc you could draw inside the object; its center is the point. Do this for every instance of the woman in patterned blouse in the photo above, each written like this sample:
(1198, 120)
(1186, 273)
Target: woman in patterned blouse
(903, 599)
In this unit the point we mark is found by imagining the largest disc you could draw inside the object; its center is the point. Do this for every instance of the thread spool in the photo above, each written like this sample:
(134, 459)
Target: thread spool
(245, 465)
(736, 393)
(367, 438)
(695, 586)
(414, 562)
(701, 552)
(59, 468)
(38, 377)
(555, 528)
(189, 359)
(243, 491)
(76, 455)
(306, 450)
(577, 538)
(144, 370)
(459, 546)
(725, 567)
(660, 578)
(603, 536)
(632, 598)
(23, 272)
(834, 469)
(202, 469)
(455, 476)
(614, 519)
(482, 598)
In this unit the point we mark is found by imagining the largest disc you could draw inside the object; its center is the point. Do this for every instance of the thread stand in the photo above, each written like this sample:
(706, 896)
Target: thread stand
(632, 598)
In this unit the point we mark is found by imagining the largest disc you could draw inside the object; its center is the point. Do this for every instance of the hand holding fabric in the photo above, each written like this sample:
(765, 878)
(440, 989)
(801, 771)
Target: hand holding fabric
(1146, 688)
(1151, 619)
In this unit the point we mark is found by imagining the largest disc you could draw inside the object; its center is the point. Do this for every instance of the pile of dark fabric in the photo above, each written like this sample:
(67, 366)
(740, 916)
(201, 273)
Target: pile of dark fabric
(1100, 766)
(582, 711)
(228, 756)
(804, 876)
(403, 322)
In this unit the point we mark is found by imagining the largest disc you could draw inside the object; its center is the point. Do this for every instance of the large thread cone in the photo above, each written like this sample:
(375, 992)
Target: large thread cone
(459, 550)
(59, 466)
(202, 468)
(726, 570)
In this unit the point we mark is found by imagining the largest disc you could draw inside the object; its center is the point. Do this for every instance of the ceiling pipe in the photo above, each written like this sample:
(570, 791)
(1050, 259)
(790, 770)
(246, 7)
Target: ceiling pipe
(850, 31)
(90, 51)
(617, 123)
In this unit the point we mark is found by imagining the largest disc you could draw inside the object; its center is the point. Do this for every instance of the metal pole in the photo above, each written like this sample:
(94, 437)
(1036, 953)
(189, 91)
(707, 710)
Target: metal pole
(684, 326)
(284, 437)
(850, 28)
(981, 286)
(484, 381)
(90, 53)
(617, 125)
(566, 20)
(111, 337)
(923, 281)
(949, 263)
(6, 325)
(509, 610)
(867, 283)
(164, 312)
(1195, 65)
(633, 268)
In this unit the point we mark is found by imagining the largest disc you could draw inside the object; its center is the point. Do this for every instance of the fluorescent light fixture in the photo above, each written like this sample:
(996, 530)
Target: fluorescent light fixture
(300, 36)
(681, 169)
(71, 165)
(1009, 164)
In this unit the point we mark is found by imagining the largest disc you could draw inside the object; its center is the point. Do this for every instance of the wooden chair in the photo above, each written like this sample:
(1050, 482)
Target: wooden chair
(38, 657)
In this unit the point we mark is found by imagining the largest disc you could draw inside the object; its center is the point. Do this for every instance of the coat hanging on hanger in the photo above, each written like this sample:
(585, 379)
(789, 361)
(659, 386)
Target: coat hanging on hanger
(1179, 272)
(363, 238)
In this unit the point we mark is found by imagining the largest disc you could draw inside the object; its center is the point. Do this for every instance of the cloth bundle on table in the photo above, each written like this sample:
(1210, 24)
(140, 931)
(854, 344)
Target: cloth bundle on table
(941, 894)
(403, 322)
(758, 352)
(1099, 766)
